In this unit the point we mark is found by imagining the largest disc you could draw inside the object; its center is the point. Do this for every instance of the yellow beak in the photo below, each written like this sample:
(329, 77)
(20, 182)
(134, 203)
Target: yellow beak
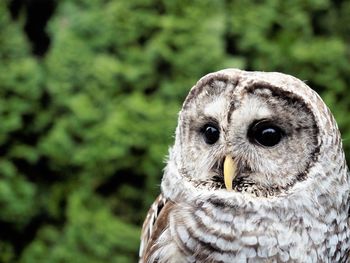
(230, 169)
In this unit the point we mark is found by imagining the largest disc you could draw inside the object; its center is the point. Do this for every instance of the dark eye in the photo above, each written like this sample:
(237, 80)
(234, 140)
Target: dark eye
(265, 133)
(211, 133)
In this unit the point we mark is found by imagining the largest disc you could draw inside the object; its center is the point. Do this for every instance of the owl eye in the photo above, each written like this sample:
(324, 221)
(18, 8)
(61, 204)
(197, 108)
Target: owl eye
(211, 133)
(265, 133)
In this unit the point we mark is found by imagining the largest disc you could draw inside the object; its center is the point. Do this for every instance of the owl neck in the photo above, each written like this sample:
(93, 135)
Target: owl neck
(317, 194)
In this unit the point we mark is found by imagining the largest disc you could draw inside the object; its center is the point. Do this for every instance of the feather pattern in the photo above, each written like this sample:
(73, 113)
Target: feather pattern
(290, 203)
(149, 224)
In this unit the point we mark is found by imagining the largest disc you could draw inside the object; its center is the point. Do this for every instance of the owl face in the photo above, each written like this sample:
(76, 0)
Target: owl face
(267, 131)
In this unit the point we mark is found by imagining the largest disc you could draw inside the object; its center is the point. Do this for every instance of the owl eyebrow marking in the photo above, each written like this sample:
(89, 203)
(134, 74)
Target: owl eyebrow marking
(232, 108)
(258, 88)
(200, 86)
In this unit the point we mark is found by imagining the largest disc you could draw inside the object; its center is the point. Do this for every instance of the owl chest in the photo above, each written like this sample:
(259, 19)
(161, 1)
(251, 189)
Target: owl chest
(200, 235)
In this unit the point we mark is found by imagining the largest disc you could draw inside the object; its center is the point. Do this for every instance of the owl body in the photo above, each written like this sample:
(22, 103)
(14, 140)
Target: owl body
(285, 194)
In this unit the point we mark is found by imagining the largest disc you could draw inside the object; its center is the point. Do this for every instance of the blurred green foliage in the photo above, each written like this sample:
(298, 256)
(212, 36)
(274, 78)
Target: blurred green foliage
(85, 129)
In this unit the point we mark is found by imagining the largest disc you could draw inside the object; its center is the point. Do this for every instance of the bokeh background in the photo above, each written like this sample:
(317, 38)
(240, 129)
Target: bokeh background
(89, 95)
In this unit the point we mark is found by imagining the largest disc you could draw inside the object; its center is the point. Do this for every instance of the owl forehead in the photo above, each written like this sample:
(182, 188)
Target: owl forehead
(233, 81)
(228, 104)
(224, 100)
(231, 85)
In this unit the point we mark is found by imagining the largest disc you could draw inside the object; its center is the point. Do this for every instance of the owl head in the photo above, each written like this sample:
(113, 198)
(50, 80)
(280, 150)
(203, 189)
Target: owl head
(256, 133)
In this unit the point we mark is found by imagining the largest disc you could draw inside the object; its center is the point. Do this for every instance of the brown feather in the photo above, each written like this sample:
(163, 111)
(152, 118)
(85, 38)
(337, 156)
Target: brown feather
(156, 221)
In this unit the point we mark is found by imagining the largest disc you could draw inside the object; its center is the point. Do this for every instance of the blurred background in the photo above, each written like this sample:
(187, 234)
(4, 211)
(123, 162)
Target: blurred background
(89, 95)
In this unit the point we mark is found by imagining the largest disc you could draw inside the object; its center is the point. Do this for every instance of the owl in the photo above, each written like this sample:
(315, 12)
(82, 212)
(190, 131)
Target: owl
(257, 173)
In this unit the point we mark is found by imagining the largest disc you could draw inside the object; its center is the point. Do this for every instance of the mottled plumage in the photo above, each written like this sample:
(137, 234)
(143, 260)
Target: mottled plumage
(290, 184)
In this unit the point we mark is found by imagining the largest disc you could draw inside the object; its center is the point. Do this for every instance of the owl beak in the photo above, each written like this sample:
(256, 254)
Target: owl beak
(230, 169)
